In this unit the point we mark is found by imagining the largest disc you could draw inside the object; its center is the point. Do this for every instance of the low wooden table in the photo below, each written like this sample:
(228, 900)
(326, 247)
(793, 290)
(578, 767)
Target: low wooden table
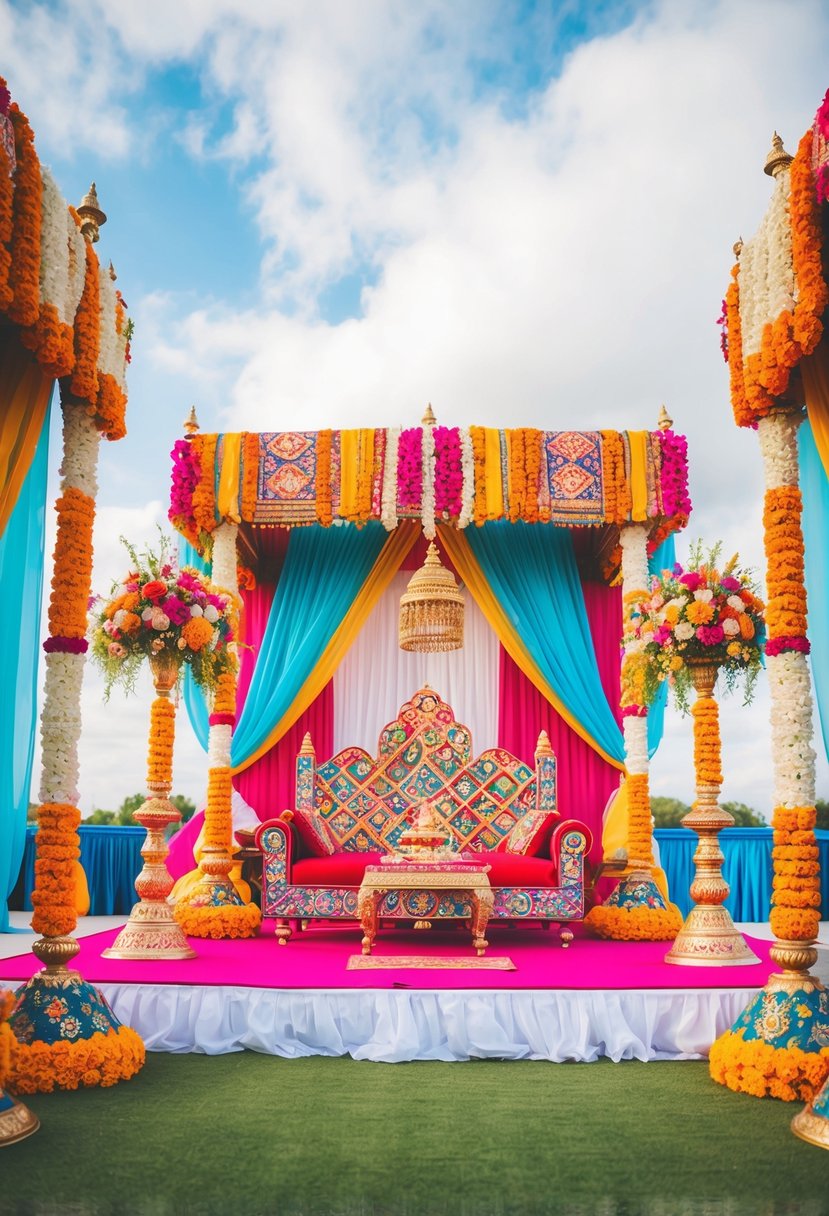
(422, 891)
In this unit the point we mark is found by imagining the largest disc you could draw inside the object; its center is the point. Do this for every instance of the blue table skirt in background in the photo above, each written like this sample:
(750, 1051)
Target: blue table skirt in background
(111, 857)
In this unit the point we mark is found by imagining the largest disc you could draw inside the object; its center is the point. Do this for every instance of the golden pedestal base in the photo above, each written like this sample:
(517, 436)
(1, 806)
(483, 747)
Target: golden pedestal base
(811, 1127)
(709, 939)
(151, 932)
(16, 1120)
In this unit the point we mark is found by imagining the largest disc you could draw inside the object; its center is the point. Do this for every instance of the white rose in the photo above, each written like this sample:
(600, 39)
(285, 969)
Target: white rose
(736, 603)
(210, 614)
(683, 631)
(147, 614)
(196, 610)
(705, 595)
(730, 628)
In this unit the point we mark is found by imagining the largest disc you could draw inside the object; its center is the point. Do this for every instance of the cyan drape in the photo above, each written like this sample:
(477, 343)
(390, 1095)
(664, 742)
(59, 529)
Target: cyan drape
(815, 488)
(21, 586)
(531, 570)
(322, 575)
(194, 701)
(662, 558)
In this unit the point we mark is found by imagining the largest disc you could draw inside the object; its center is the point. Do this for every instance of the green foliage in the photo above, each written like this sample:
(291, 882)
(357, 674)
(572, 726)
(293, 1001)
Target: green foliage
(125, 815)
(667, 812)
(744, 816)
(822, 808)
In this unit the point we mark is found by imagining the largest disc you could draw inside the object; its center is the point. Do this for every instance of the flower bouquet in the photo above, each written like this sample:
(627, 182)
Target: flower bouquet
(157, 611)
(694, 614)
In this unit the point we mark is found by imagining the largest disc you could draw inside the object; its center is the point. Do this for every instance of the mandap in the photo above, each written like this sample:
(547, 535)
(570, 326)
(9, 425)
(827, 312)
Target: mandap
(320, 531)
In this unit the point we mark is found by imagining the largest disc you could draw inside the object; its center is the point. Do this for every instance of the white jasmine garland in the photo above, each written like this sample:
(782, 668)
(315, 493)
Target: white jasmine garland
(779, 294)
(54, 253)
(636, 744)
(635, 574)
(76, 265)
(60, 728)
(427, 504)
(468, 470)
(218, 746)
(108, 354)
(791, 729)
(223, 571)
(81, 444)
(778, 446)
(388, 508)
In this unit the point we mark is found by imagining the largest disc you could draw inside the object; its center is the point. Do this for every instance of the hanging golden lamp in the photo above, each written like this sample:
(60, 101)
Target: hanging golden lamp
(431, 609)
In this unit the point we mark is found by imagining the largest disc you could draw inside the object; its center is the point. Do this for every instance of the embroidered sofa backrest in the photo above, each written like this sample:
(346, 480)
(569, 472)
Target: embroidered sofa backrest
(423, 755)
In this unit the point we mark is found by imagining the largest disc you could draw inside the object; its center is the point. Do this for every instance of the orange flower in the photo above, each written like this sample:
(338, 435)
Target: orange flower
(72, 577)
(517, 474)
(224, 700)
(24, 271)
(757, 1068)
(635, 924)
(53, 897)
(102, 1059)
(111, 407)
(84, 382)
(233, 921)
(161, 741)
(699, 613)
(6, 221)
(476, 434)
(532, 463)
(323, 482)
(249, 480)
(197, 632)
(204, 495)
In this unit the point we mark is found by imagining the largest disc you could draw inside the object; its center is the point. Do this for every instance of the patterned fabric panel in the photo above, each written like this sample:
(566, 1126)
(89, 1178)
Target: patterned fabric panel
(574, 476)
(286, 488)
(423, 756)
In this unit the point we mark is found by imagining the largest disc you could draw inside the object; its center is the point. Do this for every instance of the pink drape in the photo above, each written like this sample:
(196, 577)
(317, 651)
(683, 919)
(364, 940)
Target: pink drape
(585, 781)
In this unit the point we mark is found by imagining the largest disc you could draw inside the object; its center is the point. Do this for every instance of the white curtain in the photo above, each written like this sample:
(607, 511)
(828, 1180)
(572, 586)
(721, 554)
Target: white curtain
(376, 677)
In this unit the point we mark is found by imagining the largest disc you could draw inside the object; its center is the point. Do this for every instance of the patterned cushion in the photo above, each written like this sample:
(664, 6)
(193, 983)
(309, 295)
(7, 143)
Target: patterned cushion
(312, 833)
(530, 837)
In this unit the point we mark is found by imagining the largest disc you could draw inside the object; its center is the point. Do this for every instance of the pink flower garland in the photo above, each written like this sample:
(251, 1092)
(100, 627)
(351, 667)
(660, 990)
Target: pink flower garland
(675, 497)
(410, 469)
(820, 155)
(779, 645)
(185, 478)
(448, 472)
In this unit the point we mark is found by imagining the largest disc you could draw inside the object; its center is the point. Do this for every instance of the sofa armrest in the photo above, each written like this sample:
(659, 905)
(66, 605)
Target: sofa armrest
(569, 845)
(275, 839)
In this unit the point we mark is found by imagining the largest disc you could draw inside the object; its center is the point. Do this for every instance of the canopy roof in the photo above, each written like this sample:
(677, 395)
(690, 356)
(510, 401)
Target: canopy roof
(450, 476)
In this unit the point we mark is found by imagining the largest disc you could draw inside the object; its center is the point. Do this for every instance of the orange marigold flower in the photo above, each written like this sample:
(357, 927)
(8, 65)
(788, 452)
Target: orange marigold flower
(197, 632)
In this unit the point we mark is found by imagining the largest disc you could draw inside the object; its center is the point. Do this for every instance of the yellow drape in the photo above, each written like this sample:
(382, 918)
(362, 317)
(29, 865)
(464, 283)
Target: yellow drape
(494, 478)
(388, 563)
(815, 372)
(228, 502)
(184, 886)
(349, 472)
(638, 475)
(24, 395)
(466, 564)
(615, 831)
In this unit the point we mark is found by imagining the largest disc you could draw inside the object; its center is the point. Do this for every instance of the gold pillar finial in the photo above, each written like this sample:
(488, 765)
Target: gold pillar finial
(112, 273)
(307, 748)
(543, 747)
(428, 418)
(192, 423)
(664, 421)
(738, 247)
(778, 158)
(91, 215)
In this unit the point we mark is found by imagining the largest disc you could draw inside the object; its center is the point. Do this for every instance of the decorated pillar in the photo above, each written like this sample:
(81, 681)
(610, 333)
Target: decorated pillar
(214, 907)
(636, 908)
(777, 1046)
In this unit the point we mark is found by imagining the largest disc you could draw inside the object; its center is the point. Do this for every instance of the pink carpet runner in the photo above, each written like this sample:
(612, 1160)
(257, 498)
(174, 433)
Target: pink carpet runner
(318, 958)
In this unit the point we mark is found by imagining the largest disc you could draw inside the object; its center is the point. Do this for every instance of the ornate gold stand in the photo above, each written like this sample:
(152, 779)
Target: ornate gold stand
(215, 888)
(708, 937)
(812, 1123)
(16, 1120)
(152, 931)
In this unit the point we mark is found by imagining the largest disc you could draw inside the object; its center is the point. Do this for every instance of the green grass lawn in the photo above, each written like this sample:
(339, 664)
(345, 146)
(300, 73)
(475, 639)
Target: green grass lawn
(251, 1134)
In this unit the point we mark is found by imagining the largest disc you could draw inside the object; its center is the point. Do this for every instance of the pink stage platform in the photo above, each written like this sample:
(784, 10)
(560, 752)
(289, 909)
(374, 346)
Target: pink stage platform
(318, 958)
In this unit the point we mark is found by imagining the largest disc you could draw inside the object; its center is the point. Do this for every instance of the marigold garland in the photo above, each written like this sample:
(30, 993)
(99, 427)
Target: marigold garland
(84, 382)
(102, 1059)
(533, 439)
(517, 474)
(24, 271)
(111, 407)
(230, 921)
(250, 475)
(795, 911)
(72, 577)
(783, 539)
(224, 701)
(759, 1069)
(476, 434)
(707, 746)
(617, 493)
(812, 290)
(161, 741)
(53, 897)
(640, 823)
(204, 495)
(6, 1036)
(325, 510)
(639, 924)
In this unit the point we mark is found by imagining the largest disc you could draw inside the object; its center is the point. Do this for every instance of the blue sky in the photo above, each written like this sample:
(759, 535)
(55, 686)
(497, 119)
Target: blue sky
(330, 213)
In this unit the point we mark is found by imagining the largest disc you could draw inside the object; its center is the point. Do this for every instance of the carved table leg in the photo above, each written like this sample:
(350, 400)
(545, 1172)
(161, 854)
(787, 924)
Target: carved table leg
(367, 904)
(566, 937)
(481, 902)
(283, 931)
